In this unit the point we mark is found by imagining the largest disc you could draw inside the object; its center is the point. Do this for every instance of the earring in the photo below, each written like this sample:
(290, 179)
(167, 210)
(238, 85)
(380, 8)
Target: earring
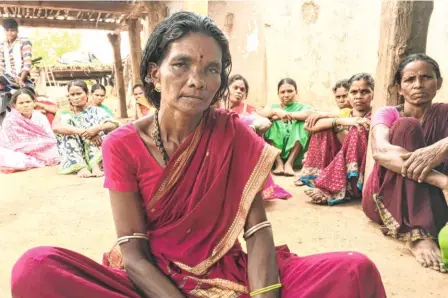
(157, 87)
(147, 79)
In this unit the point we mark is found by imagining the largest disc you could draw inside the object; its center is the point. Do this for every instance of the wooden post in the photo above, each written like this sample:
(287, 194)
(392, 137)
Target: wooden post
(157, 11)
(135, 45)
(115, 40)
(403, 31)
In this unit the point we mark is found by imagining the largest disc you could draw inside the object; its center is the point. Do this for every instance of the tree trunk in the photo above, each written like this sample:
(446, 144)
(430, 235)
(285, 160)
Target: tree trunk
(403, 31)
(114, 39)
(136, 49)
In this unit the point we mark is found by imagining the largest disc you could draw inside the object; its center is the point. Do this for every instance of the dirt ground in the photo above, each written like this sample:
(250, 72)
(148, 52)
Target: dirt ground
(39, 207)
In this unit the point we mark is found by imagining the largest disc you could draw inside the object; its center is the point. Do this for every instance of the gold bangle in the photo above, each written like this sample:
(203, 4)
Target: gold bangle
(265, 290)
(125, 239)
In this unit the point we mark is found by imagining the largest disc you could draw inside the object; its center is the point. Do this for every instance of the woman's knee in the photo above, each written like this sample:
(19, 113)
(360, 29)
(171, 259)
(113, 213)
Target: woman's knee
(354, 261)
(407, 132)
(31, 267)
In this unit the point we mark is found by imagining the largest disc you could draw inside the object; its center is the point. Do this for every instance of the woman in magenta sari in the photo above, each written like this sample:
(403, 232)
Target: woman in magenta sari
(26, 138)
(410, 148)
(335, 163)
(182, 189)
(238, 91)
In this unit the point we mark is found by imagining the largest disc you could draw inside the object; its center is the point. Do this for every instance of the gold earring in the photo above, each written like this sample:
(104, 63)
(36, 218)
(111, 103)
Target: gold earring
(157, 87)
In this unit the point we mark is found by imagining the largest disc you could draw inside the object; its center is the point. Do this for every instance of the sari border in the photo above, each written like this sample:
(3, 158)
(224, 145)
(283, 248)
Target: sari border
(391, 226)
(221, 283)
(176, 167)
(252, 187)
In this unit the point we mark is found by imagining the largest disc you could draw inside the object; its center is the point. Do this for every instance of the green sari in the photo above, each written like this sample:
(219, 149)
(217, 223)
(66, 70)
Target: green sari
(284, 135)
(105, 108)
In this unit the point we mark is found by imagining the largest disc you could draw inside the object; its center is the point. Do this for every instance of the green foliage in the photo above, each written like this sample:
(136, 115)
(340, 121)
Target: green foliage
(51, 44)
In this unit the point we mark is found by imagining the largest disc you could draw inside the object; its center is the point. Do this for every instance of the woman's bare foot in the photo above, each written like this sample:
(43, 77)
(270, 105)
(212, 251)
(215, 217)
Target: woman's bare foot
(84, 173)
(317, 196)
(96, 171)
(289, 171)
(427, 253)
(298, 182)
(279, 170)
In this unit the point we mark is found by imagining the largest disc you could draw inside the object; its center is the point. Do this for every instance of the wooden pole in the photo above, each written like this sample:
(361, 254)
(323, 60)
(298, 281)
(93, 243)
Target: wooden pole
(136, 49)
(403, 31)
(115, 40)
(157, 11)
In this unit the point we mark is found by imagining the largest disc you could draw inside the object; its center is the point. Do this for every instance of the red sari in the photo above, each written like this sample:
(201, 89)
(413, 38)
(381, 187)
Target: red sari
(243, 108)
(405, 209)
(50, 116)
(335, 168)
(193, 222)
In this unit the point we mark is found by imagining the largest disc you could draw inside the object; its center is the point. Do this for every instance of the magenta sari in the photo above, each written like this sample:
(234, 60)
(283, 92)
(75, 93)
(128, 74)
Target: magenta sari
(196, 208)
(26, 143)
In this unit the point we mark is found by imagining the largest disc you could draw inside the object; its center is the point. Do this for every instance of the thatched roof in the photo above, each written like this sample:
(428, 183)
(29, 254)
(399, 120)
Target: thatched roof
(105, 15)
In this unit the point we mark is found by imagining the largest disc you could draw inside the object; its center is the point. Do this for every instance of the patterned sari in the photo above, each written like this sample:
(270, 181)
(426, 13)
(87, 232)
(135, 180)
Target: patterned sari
(26, 143)
(285, 135)
(76, 152)
(335, 168)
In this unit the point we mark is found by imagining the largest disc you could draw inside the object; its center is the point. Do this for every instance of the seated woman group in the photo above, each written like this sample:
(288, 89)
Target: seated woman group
(182, 189)
(335, 162)
(79, 132)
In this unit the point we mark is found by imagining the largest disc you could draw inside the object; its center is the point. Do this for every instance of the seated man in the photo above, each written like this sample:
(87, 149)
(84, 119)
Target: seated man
(15, 57)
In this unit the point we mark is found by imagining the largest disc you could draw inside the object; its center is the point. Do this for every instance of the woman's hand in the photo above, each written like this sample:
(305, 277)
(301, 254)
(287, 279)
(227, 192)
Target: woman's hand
(312, 119)
(362, 122)
(418, 164)
(280, 114)
(97, 141)
(287, 117)
(354, 121)
(91, 132)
